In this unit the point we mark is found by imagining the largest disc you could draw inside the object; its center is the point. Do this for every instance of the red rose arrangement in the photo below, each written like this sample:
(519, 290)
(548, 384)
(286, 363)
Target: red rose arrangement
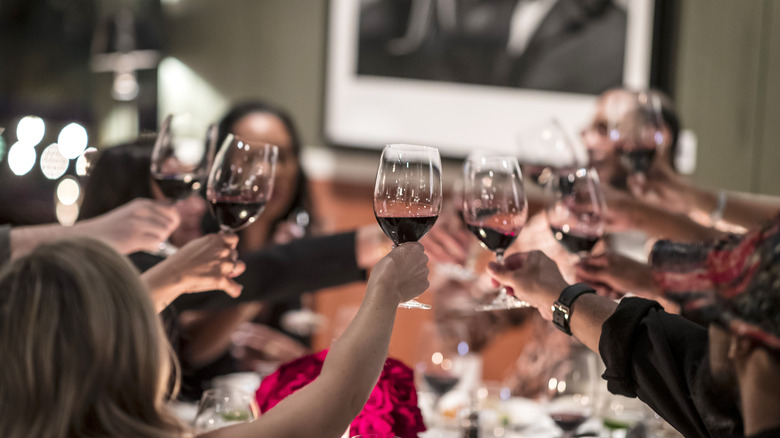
(391, 408)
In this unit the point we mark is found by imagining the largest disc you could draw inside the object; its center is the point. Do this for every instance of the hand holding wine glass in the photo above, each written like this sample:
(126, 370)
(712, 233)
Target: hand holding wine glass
(407, 195)
(495, 209)
(241, 182)
(576, 210)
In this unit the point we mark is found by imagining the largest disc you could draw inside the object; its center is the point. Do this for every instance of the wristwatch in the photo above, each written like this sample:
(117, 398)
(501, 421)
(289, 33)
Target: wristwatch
(561, 309)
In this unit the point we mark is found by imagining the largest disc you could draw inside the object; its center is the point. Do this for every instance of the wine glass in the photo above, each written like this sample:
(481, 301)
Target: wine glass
(439, 364)
(241, 182)
(407, 195)
(641, 132)
(545, 148)
(576, 210)
(621, 414)
(571, 391)
(222, 407)
(495, 210)
(180, 160)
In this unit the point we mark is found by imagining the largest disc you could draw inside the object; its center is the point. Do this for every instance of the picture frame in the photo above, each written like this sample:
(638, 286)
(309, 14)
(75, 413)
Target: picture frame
(369, 110)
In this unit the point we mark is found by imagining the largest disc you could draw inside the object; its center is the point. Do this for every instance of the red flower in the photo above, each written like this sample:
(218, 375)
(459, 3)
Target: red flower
(391, 408)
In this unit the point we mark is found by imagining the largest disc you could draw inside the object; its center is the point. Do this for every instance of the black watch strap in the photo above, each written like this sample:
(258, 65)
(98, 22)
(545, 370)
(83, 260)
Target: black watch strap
(562, 308)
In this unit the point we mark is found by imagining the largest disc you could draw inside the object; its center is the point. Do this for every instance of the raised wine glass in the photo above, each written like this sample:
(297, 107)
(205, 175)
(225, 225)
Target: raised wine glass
(572, 391)
(546, 148)
(576, 210)
(641, 132)
(241, 182)
(495, 209)
(181, 160)
(407, 195)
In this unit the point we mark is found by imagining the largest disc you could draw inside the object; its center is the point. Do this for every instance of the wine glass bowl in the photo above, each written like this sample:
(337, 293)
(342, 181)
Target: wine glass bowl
(642, 132)
(544, 149)
(576, 210)
(571, 391)
(408, 194)
(495, 210)
(222, 407)
(241, 182)
(439, 365)
(181, 157)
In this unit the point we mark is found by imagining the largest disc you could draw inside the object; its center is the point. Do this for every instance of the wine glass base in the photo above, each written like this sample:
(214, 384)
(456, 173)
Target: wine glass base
(414, 304)
(503, 302)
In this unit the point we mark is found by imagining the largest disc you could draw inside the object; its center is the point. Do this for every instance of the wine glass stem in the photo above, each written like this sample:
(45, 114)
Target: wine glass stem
(500, 256)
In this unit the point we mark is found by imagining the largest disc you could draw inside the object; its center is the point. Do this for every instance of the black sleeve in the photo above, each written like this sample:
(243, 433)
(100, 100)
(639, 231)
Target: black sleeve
(655, 356)
(5, 244)
(285, 270)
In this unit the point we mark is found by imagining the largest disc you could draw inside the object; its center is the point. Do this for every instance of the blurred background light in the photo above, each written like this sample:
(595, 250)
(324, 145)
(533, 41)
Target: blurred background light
(21, 157)
(85, 161)
(72, 140)
(30, 130)
(68, 191)
(2, 144)
(67, 214)
(53, 164)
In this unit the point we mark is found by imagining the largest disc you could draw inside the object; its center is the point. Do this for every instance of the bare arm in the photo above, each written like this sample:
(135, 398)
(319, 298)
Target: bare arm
(206, 263)
(136, 226)
(535, 278)
(325, 407)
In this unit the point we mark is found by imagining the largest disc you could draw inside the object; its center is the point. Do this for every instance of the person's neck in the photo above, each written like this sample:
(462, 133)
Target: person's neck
(759, 388)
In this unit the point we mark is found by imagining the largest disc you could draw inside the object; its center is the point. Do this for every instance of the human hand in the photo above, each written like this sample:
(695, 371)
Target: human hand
(206, 263)
(402, 274)
(613, 275)
(447, 243)
(139, 225)
(661, 186)
(286, 232)
(257, 345)
(532, 277)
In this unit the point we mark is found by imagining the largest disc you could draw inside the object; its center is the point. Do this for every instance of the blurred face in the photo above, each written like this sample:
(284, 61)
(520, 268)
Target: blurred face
(602, 149)
(191, 211)
(268, 128)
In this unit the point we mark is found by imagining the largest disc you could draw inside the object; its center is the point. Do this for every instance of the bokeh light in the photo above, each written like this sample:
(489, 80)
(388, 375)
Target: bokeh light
(68, 191)
(85, 161)
(73, 140)
(53, 164)
(21, 157)
(30, 130)
(67, 214)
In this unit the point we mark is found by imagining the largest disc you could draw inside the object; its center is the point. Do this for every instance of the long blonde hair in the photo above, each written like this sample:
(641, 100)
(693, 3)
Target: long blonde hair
(83, 352)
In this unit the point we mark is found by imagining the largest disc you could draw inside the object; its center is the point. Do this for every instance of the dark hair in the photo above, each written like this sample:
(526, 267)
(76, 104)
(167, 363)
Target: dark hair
(120, 175)
(301, 201)
(672, 120)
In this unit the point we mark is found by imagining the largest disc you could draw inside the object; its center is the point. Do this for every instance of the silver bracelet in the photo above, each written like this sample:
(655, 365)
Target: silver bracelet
(717, 214)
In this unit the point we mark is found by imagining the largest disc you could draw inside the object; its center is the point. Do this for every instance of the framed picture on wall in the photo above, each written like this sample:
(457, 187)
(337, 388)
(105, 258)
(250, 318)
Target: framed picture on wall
(472, 74)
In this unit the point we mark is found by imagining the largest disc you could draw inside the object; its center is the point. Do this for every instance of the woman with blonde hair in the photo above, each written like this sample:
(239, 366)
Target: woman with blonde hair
(85, 355)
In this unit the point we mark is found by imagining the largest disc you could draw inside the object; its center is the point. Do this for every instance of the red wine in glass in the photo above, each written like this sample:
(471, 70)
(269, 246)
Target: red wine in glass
(568, 421)
(638, 160)
(405, 229)
(574, 242)
(440, 384)
(233, 213)
(178, 187)
(241, 182)
(495, 210)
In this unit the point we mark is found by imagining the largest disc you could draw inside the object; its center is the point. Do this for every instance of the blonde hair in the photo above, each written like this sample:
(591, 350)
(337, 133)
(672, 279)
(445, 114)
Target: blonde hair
(84, 354)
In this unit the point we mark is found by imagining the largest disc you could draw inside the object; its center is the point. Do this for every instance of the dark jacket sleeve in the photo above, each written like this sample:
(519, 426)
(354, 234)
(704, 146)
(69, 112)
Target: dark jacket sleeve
(655, 356)
(281, 271)
(5, 244)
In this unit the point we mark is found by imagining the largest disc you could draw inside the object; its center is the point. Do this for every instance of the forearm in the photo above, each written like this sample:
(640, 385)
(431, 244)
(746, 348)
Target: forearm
(750, 210)
(589, 312)
(348, 375)
(27, 238)
(663, 224)
(164, 286)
